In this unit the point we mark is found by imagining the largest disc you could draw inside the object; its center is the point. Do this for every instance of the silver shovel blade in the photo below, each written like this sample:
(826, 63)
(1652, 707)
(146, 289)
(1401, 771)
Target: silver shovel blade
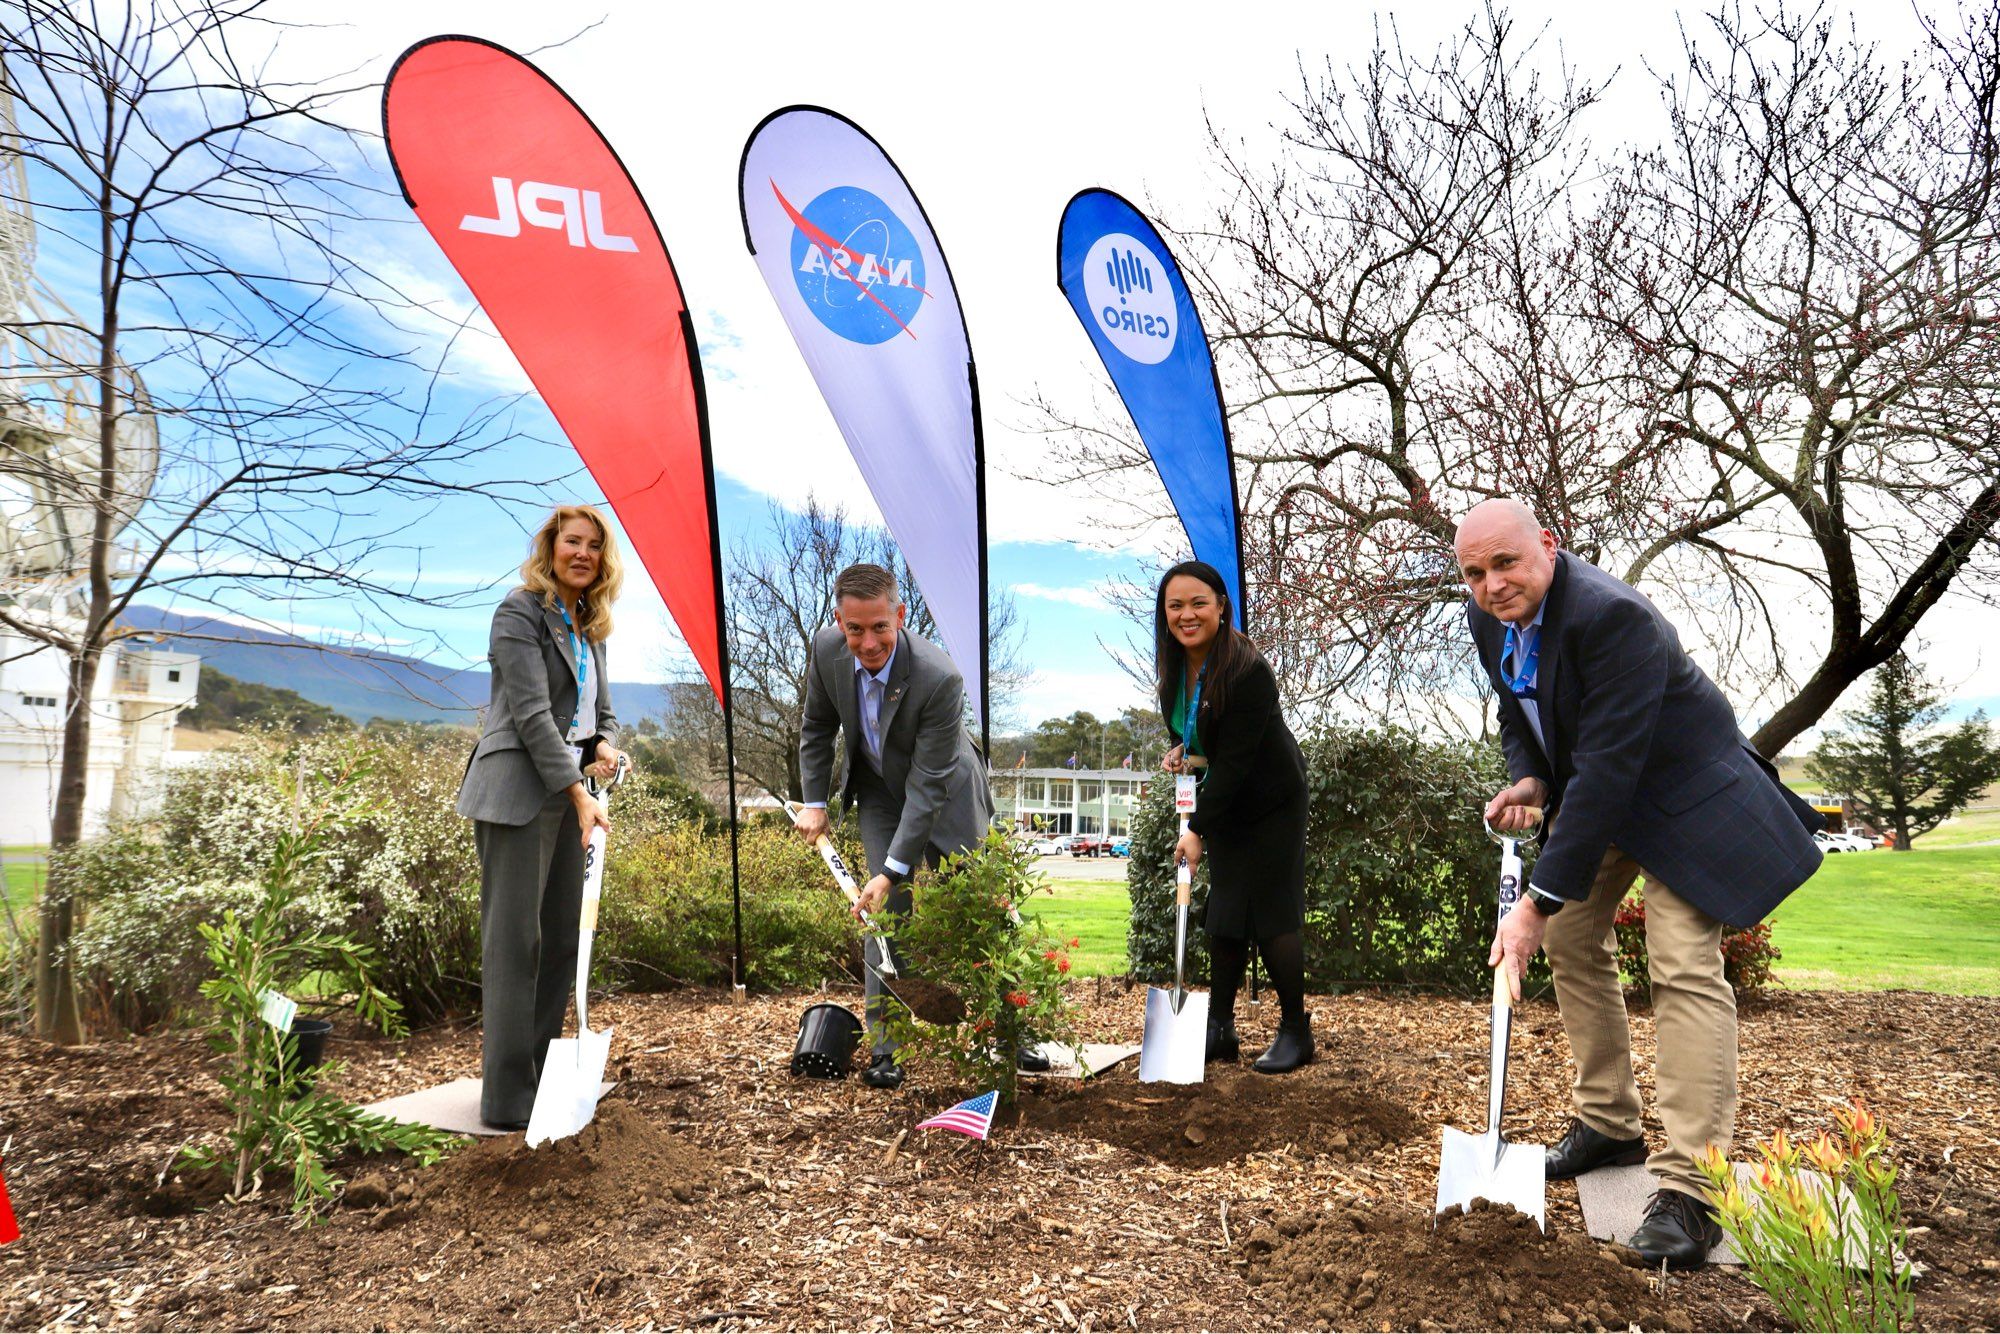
(1486, 1167)
(572, 1082)
(1176, 1041)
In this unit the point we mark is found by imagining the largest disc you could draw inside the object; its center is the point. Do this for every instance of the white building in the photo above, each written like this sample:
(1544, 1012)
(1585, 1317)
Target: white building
(1068, 801)
(139, 695)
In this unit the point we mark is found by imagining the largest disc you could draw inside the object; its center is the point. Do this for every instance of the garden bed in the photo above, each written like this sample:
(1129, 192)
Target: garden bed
(718, 1191)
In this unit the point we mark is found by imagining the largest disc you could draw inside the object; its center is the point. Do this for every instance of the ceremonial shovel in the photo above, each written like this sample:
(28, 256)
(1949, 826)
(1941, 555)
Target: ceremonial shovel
(573, 1069)
(1486, 1166)
(1175, 1046)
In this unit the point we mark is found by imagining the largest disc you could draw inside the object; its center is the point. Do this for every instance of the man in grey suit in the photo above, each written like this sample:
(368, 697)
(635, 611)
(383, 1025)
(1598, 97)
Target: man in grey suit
(1637, 759)
(911, 766)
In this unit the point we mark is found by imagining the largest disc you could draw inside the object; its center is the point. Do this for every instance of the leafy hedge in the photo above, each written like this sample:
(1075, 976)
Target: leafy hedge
(1401, 879)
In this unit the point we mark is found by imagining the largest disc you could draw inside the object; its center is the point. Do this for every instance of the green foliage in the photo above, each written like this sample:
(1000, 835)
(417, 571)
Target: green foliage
(1748, 956)
(280, 1119)
(1401, 879)
(1896, 764)
(227, 704)
(1827, 1267)
(962, 933)
(1136, 732)
(666, 917)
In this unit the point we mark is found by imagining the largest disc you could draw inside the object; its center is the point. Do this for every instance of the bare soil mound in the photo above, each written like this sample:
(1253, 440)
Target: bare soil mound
(1321, 1110)
(618, 1164)
(931, 1002)
(1490, 1268)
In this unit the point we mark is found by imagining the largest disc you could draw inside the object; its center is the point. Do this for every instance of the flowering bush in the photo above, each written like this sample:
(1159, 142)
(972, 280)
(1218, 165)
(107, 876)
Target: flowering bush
(967, 931)
(1747, 952)
(1824, 1271)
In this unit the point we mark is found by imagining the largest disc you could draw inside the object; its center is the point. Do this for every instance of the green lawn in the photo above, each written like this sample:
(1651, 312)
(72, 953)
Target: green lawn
(1981, 824)
(1097, 912)
(25, 869)
(1927, 920)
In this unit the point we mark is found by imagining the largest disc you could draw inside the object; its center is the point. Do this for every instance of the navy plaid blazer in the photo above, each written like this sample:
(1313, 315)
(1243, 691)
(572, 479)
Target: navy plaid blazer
(1644, 753)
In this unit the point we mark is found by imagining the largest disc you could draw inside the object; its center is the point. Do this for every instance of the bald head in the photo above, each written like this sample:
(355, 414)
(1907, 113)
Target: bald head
(1506, 557)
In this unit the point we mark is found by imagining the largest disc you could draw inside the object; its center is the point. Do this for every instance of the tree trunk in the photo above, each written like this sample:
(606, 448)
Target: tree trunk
(56, 1014)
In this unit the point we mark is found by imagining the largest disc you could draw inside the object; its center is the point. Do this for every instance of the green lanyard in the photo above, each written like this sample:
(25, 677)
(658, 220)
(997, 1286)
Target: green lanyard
(579, 646)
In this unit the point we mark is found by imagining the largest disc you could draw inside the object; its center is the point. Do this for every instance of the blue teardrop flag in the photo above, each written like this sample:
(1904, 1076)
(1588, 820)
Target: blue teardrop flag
(1123, 283)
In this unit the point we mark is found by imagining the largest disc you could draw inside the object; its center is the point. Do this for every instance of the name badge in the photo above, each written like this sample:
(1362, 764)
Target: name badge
(576, 753)
(1183, 794)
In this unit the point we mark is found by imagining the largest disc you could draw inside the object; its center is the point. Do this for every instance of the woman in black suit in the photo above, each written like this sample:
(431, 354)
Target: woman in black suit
(1220, 701)
(549, 722)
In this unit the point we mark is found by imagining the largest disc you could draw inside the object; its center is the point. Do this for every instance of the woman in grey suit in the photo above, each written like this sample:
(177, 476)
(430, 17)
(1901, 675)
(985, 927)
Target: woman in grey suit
(548, 723)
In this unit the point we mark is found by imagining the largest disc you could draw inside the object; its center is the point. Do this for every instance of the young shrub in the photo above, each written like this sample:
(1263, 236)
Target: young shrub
(281, 1121)
(968, 930)
(1747, 952)
(1789, 1231)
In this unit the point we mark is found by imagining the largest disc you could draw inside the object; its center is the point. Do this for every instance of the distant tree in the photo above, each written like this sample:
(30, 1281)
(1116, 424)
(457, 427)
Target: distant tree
(1899, 768)
(227, 704)
(1096, 744)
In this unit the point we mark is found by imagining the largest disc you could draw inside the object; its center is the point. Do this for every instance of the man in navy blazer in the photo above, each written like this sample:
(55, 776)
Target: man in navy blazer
(1638, 761)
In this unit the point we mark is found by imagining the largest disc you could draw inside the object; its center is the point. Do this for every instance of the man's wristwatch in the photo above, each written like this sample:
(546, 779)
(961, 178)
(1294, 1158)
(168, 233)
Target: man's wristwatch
(1545, 903)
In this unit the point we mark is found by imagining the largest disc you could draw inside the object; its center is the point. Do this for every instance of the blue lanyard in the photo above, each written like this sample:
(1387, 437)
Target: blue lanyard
(581, 648)
(1188, 737)
(1522, 683)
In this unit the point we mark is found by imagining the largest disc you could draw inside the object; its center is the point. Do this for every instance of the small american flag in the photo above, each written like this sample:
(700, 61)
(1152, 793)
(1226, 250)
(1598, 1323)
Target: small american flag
(972, 1117)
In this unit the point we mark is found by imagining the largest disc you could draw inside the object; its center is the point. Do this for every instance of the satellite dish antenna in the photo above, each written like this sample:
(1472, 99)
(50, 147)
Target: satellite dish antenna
(50, 454)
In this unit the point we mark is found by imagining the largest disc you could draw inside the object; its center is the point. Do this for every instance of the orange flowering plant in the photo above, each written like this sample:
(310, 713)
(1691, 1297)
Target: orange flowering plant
(1820, 1226)
(970, 929)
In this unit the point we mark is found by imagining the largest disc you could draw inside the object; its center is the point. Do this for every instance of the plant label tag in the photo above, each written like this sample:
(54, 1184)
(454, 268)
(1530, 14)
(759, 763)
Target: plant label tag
(1183, 794)
(277, 1010)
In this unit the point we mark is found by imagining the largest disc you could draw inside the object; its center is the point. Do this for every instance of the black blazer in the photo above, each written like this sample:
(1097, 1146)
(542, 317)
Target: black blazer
(1644, 753)
(1254, 764)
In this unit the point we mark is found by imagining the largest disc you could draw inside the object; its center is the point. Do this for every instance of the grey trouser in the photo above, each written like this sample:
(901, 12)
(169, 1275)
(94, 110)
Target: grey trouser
(879, 814)
(530, 896)
(1694, 1021)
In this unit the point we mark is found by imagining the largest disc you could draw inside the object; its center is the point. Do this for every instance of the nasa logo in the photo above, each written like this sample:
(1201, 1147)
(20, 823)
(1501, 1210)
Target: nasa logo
(1130, 299)
(857, 266)
(579, 213)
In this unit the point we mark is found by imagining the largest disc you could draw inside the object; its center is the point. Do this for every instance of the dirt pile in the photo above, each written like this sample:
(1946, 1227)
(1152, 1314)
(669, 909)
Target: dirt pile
(931, 1002)
(620, 1164)
(1491, 1268)
(1322, 1110)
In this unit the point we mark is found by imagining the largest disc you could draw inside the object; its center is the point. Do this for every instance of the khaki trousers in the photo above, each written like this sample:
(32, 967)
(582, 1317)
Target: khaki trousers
(1694, 1020)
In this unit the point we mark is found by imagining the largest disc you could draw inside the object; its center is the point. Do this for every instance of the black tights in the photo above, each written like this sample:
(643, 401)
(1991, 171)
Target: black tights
(1284, 960)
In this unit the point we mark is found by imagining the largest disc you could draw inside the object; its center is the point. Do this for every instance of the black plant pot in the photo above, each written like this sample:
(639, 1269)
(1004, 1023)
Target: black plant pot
(309, 1038)
(825, 1048)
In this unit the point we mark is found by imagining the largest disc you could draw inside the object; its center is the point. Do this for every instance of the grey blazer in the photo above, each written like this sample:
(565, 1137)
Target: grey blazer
(521, 759)
(930, 764)
(1644, 753)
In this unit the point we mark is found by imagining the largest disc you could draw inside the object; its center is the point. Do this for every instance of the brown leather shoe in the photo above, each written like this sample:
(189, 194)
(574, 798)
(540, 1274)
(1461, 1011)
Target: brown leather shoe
(1679, 1231)
(1584, 1150)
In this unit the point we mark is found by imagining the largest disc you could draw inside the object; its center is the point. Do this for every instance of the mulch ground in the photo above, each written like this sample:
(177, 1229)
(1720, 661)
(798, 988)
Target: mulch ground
(716, 1191)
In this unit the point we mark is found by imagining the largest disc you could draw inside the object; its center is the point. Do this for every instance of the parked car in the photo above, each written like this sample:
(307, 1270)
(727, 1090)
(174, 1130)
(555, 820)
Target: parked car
(1831, 843)
(1854, 842)
(1121, 847)
(1089, 845)
(1044, 847)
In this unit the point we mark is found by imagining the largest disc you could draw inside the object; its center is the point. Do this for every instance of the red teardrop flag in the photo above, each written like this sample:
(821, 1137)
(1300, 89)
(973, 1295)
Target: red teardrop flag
(543, 222)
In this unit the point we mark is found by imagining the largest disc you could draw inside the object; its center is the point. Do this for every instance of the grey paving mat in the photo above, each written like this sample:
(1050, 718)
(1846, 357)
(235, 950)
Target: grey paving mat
(1614, 1204)
(1097, 1057)
(453, 1107)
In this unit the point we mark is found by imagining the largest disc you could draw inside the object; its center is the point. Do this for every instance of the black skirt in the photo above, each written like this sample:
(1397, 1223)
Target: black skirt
(1257, 875)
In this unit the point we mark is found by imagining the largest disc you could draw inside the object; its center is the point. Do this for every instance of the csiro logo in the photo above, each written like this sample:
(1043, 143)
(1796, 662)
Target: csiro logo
(857, 266)
(1130, 298)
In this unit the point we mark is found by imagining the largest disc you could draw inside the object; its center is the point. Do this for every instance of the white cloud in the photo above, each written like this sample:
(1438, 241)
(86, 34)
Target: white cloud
(1090, 596)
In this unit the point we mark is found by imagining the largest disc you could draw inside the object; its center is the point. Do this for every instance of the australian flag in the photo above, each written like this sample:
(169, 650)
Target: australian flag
(1070, 763)
(972, 1117)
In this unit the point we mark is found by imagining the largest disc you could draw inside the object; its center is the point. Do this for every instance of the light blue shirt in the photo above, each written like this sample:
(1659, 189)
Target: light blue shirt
(1531, 707)
(870, 689)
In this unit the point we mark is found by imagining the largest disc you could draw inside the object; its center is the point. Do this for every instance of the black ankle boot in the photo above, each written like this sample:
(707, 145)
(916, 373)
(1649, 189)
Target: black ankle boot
(1222, 1041)
(1292, 1048)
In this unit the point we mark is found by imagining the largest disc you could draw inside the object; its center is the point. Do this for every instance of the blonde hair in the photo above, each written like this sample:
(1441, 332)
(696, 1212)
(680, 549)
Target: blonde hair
(538, 571)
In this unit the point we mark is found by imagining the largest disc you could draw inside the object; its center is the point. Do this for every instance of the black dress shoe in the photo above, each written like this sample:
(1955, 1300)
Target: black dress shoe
(1223, 1044)
(1584, 1150)
(1679, 1231)
(883, 1073)
(1292, 1048)
(504, 1127)
(1029, 1060)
